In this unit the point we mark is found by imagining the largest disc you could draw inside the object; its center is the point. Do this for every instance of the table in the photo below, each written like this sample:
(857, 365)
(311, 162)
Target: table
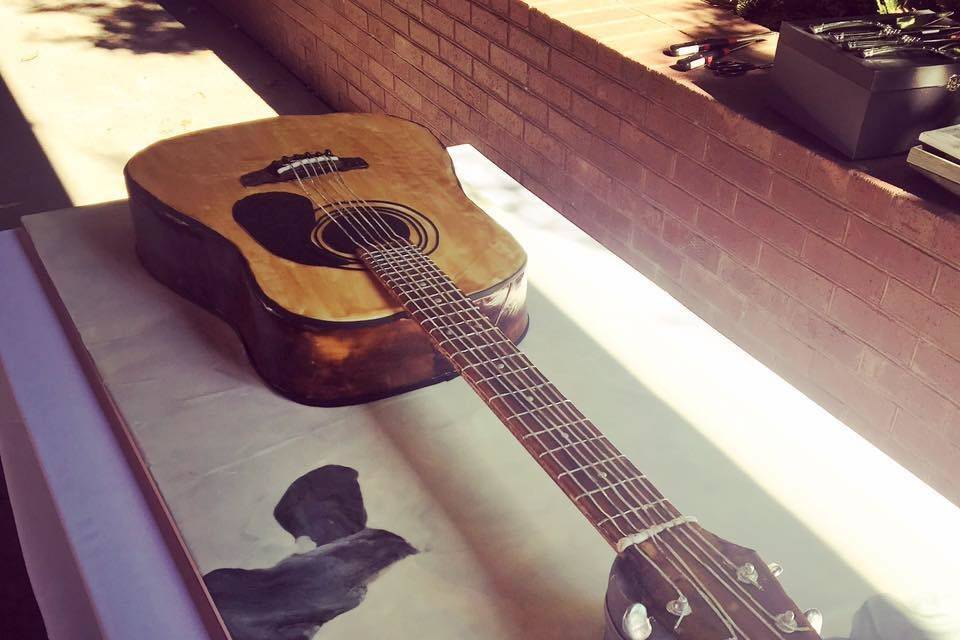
(724, 437)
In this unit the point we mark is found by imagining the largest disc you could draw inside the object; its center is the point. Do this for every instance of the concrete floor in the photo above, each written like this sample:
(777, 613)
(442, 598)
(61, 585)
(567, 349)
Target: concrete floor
(83, 86)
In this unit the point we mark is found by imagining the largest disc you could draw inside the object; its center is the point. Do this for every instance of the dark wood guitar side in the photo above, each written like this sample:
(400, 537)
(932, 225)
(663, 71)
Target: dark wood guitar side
(361, 346)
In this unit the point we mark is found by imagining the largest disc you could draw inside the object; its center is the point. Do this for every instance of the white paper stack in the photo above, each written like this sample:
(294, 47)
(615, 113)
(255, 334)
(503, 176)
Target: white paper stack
(938, 156)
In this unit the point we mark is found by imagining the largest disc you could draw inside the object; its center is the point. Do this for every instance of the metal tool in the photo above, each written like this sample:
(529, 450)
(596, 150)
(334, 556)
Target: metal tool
(735, 68)
(858, 45)
(706, 44)
(949, 50)
(897, 22)
(706, 58)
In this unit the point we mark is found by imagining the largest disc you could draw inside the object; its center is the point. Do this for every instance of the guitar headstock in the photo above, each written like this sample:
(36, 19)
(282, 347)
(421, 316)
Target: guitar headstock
(698, 586)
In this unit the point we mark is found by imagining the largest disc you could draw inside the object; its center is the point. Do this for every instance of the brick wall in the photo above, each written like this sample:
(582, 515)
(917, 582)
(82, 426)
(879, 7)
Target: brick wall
(847, 287)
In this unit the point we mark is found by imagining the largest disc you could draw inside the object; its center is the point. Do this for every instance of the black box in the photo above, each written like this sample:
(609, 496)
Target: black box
(862, 107)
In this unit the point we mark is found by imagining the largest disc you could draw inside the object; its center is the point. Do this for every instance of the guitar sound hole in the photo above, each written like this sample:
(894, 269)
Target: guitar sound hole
(287, 225)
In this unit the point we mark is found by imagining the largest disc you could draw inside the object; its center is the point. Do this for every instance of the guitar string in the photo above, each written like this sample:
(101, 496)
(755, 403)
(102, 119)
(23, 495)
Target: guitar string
(623, 513)
(631, 512)
(684, 531)
(602, 489)
(584, 489)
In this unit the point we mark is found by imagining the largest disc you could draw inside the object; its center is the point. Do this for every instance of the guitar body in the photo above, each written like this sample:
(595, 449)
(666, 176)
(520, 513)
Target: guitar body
(266, 257)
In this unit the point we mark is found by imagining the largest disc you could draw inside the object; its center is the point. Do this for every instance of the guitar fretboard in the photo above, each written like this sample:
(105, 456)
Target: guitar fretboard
(603, 483)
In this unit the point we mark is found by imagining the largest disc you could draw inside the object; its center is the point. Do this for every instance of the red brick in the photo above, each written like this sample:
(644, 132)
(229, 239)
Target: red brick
(753, 287)
(454, 106)
(642, 213)
(490, 80)
(789, 156)
(875, 328)
(795, 278)
(397, 108)
(510, 64)
(380, 73)
(654, 249)
(394, 17)
(601, 121)
(539, 23)
(685, 241)
(825, 336)
(941, 370)
(519, 12)
(844, 268)
(472, 41)
(947, 288)
(408, 94)
(438, 20)
(731, 237)
(543, 142)
(676, 131)
(844, 385)
(649, 151)
(487, 23)
(673, 198)
(870, 196)
(738, 167)
(545, 86)
(501, 7)
(435, 118)
(587, 175)
(904, 387)
(768, 223)
(470, 92)
(939, 324)
(424, 37)
(358, 98)
(777, 345)
(827, 177)
(504, 117)
(348, 71)
(381, 31)
(437, 70)
(569, 132)
(575, 73)
(372, 89)
(584, 47)
(529, 47)
(561, 35)
(424, 85)
(373, 6)
(616, 163)
(620, 98)
(413, 7)
(456, 57)
(457, 8)
(946, 240)
(355, 14)
(808, 208)
(706, 186)
(893, 255)
(528, 104)
(710, 288)
(408, 51)
(738, 129)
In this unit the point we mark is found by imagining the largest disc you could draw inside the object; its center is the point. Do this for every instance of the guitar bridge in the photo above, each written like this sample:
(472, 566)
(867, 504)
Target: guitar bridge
(313, 163)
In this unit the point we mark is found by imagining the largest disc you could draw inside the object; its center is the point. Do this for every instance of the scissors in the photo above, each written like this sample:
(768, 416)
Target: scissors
(734, 68)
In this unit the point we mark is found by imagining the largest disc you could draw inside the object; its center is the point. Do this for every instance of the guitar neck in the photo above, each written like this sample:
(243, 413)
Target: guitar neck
(604, 484)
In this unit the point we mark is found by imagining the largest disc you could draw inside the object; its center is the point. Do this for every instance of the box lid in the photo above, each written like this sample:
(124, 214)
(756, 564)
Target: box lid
(874, 74)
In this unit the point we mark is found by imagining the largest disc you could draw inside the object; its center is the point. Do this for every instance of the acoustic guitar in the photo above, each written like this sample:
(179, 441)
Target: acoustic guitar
(345, 255)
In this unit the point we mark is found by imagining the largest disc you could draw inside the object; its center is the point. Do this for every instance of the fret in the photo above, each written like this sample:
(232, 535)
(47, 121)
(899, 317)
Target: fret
(525, 393)
(545, 407)
(576, 443)
(619, 456)
(612, 485)
(633, 511)
(576, 455)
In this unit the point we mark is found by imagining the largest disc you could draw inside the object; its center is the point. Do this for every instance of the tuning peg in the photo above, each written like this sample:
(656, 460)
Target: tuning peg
(814, 619)
(775, 569)
(636, 623)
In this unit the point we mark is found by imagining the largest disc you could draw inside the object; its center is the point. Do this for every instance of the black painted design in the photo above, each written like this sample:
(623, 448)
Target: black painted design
(287, 225)
(295, 597)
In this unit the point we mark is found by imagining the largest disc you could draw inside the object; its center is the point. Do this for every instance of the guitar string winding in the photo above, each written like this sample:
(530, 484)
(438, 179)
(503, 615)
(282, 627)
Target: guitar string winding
(373, 243)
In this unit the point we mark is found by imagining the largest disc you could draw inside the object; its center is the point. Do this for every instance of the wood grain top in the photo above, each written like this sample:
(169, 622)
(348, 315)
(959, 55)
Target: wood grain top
(198, 174)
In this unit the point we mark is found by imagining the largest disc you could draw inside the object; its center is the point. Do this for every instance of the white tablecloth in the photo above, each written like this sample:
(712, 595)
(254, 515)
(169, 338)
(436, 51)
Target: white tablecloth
(724, 437)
